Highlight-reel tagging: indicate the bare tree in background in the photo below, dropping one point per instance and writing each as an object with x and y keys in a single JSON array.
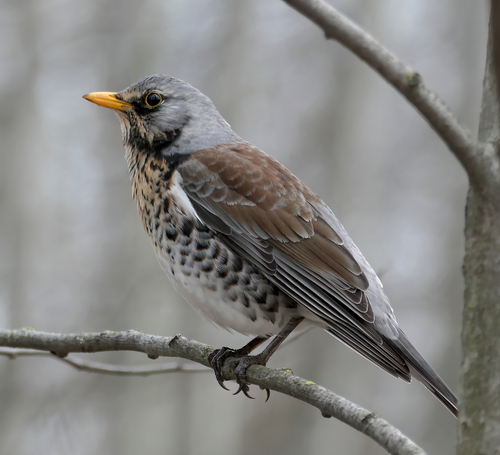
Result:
[{"x": 480, "y": 411}]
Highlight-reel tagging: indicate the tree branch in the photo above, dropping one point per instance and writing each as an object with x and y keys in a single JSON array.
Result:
[
  {"x": 330, "y": 404},
  {"x": 480, "y": 163},
  {"x": 98, "y": 367}
]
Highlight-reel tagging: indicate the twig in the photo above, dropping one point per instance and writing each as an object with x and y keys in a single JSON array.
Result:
[
  {"x": 330, "y": 404},
  {"x": 98, "y": 367}
]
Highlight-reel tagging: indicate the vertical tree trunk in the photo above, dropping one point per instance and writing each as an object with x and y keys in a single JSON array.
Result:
[{"x": 479, "y": 431}]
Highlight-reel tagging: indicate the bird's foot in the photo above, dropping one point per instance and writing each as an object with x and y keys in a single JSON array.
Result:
[
  {"x": 239, "y": 364},
  {"x": 216, "y": 360},
  {"x": 241, "y": 369}
]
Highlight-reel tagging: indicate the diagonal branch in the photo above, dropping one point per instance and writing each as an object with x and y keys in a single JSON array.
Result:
[
  {"x": 479, "y": 161},
  {"x": 330, "y": 404}
]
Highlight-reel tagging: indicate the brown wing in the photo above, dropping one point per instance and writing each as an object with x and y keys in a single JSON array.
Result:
[
  {"x": 270, "y": 217},
  {"x": 248, "y": 192}
]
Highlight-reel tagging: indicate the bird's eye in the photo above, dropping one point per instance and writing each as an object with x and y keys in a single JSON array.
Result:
[{"x": 153, "y": 99}]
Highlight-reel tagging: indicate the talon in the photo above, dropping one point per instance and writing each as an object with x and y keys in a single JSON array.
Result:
[
  {"x": 243, "y": 387},
  {"x": 220, "y": 380},
  {"x": 248, "y": 395},
  {"x": 268, "y": 393},
  {"x": 216, "y": 361},
  {"x": 240, "y": 363}
]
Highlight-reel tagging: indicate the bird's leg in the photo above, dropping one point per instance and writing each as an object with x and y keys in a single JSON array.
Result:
[
  {"x": 243, "y": 360},
  {"x": 219, "y": 356},
  {"x": 263, "y": 357}
]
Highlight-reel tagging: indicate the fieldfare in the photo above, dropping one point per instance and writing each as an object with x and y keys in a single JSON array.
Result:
[{"x": 247, "y": 243}]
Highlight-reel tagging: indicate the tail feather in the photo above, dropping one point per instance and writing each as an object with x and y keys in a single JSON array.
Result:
[{"x": 424, "y": 373}]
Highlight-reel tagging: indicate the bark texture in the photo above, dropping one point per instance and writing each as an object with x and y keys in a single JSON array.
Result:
[{"x": 479, "y": 431}]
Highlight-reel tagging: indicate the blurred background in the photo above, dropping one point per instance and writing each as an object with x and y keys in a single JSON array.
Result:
[{"x": 74, "y": 257}]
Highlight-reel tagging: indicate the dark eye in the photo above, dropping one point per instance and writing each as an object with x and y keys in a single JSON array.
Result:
[{"x": 153, "y": 99}]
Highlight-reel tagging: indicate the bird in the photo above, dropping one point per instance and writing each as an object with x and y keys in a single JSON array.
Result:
[{"x": 245, "y": 242}]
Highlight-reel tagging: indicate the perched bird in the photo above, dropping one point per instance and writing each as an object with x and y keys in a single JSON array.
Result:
[{"x": 245, "y": 241}]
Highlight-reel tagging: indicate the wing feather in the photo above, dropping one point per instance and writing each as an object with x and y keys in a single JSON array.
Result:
[{"x": 262, "y": 211}]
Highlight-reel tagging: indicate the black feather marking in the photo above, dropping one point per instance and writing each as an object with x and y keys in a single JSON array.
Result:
[
  {"x": 187, "y": 227},
  {"x": 207, "y": 266}
]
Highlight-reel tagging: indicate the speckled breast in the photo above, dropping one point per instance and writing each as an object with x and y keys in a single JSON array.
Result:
[{"x": 224, "y": 287}]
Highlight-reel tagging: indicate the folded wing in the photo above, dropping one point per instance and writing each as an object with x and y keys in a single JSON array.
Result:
[{"x": 260, "y": 209}]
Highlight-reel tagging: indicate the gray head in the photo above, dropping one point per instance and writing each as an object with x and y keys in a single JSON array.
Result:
[{"x": 163, "y": 115}]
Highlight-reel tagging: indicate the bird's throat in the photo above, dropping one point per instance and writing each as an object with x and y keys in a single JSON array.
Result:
[{"x": 157, "y": 145}]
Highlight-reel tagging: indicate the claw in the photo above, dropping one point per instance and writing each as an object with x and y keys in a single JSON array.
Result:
[
  {"x": 240, "y": 373},
  {"x": 242, "y": 360},
  {"x": 238, "y": 366},
  {"x": 268, "y": 393},
  {"x": 248, "y": 395},
  {"x": 243, "y": 387},
  {"x": 216, "y": 361},
  {"x": 220, "y": 380}
]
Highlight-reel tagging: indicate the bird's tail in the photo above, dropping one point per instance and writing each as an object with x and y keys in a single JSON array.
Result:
[{"x": 425, "y": 374}]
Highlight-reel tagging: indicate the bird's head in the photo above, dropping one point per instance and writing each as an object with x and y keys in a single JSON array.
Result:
[{"x": 166, "y": 116}]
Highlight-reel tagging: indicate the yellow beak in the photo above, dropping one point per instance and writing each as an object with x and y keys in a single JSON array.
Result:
[{"x": 109, "y": 100}]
